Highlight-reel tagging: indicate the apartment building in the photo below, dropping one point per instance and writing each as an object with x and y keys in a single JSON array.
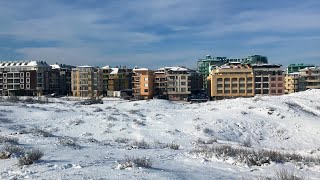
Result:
[
  {"x": 142, "y": 83},
  {"x": 116, "y": 79},
  {"x": 27, "y": 78},
  {"x": 309, "y": 78},
  {"x": 292, "y": 68},
  {"x": 231, "y": 80},
  {"x": 269, "y": 79},
  {"x": 176, "y": 83},
  {"x": 63, "y": 71},
  {"x": 291, "y": 83},
  {"x": 205, "y": 64},
  {"x": 87, "y": 81}
]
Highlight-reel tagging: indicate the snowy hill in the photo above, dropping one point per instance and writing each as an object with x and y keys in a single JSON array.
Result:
[{"x": 93, "y": 141}]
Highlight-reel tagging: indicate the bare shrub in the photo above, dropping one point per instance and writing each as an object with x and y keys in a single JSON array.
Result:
[
  {"x": 133, "y": 111},
  {"x": 13, "y": 99},
  {"x": 40, "y": 133},
  {"x": 69, "y": 142},
  {"x": 7, "y": 139},
  {"x": 206, "y": 141},
  {"x": 207, "y": 131},
  {"x": 98, "y": 110},
  {"x": 284, "y": 174},
  {"x": 172, "y": 145},
  {"x": 76, "y": 122},
  {"x": 132, "y": 162},
  {"x": 112, "y": 118},
  {"x": 90, "y": 101},
  {"x": 30, "y": 157},
  {"x": 139, "y": 144},
  {"x": 13, "y": 149},
  {"x": 251, "y": 157},
  {"x": 4, "y": 155},
  {"x": 139, "y": 123},
  {"x": 122, "y": 140},
  {"x": 247, "y": 142}
]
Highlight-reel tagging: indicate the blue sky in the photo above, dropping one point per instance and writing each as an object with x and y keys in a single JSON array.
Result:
[{"x": 155, "y": 33}]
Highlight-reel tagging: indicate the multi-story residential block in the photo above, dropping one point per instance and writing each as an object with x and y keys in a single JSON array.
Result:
[
  {"x": 176, "y": 83},
  {"x": 27, "y": 78},
  {"x": 87, "y": 81},
  {"x": 255, "y": 59},
  {"x": 291, "y": 83},
  {"x": 292, "y": 68},
  {"x": 231, "y": 80},
  {"x": 64, "y": 74},
  {"x": 142, "y": 83},
  {"x": 309, "y": 78},
  {"x": 116, "y": 79},
  {"x": 204, "y": 65},
  {"x": 269, "y": 79}
]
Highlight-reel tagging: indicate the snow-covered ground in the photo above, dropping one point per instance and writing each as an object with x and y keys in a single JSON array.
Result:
[{"x": 90, "y": 141}]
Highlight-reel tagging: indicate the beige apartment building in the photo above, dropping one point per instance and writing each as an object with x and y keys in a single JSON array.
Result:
[
  {"x": 291, "y": 83},
  {"x": 142, "y": 83},
  {"x": 176, "y": 83},
  {"x": 231, "y": 80},
  {"x": 269, "y": 79},
  {"x": 307, "y": 78},
  {"x": 87, "y": 81}
]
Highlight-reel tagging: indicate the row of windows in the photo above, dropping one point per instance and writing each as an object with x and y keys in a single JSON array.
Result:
[
  {"x": 16, "y": 75},
  {"x": 249, "y": 91},
  {"x": 14, "y": 80},
  {"x": 21, "y": 86}
]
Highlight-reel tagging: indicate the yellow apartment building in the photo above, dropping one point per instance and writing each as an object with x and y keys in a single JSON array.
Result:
[
  {"x": 231, "y": 80},
  {"x": 86, "y": 81},
  {"x": 142, "y": 83}
]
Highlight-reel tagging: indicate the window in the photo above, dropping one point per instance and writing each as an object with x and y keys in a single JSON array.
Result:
[
  {"x": 265, "y": 91},
  {"x": 280, "y": 85},
  {"x": 28, "y": 86},
  {"x": 265, "y": 85},
  {"x": 4, "y": 86},
  {"x": 183, "y": 89},
  {"x": 4, "y": 75},
  {"x": 265, "y": 79},
  {"x": 273, "y": 79},
  {"x": 219, "y": 91},
  {"x": 280, "y": 91},
  {"x": 273, "y": 85},
  {"x": 249, "y": 91},
  {"x": 234, "y": 91},
  {"x": 257, "y": 79},
  {"x": 21, "y": 86},
  {"x": 27, "y": 74},
  {"x": 145, "y": 85},
  {"x": 21, "y": 74},
  {"x": 145, "y": 79},
  {"x": 279, "y": 78},
  {"x": 183, "y": 83},
  {"x": 183, "y": 77},
  {"x": 242, "y": 91},
  {"x": 22, "y": 80},
  {"x": 273, "y": 91},
  {"x": 146, "y": 90}
]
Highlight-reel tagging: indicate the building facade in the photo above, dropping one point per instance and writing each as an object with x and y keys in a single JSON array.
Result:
[
  {"x": 292, "y": 68},
  {"x": 176, "y": 83},
  {"x": 87, "y": 81},
  {"x": 231, "y": 80},
  {"x": 269, "y": 79},
  {"x": 64, "y": 73},
  {"x": 27, "y": 78},
  {"x": 142, "y": 83},
  {"x": 116, "y": 79}
]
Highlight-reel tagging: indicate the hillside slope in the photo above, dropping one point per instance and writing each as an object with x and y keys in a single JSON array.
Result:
[{"x": 90, "y": 141}]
